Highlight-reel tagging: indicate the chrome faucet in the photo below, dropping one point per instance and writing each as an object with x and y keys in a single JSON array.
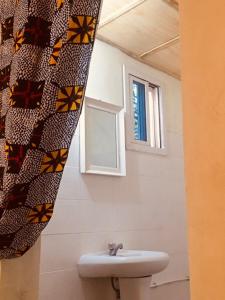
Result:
[{"x": 113, "y": 248}]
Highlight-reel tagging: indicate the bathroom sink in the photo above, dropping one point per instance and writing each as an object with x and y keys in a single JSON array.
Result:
[{"x": 127, "y": 263}]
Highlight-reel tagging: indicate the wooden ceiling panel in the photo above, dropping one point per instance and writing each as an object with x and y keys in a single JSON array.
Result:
[
  {"x": 147, "y": 30},
  {"x": 109, "y": 7},
  {"x": 143, "y": 28},
  {"x": 167, "y": 59}
]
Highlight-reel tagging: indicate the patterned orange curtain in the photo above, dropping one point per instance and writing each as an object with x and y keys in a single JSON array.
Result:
[{"x": 44, "y": 60}]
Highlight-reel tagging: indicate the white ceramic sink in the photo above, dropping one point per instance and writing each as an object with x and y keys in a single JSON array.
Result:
[{"x": 127, "y": 263}]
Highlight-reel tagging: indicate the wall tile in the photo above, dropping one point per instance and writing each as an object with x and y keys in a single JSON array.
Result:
[
  {"x": 74, "y": 153},
  {"x": 60, "y": 285},
  {"x": 173, "y": 291},
  {"x": 72, "y": 186},
  {"x": 81, "y": 216},
  {"x": 175, "y": 145},
  {"x": 70, "y": 247},
  {"x": 77, "y": 186}
]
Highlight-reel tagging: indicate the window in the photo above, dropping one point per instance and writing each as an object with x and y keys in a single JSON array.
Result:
[{"x": 145, "y": 128}]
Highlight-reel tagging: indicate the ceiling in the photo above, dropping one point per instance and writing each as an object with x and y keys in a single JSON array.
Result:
[{"x": 147, "y": 30}]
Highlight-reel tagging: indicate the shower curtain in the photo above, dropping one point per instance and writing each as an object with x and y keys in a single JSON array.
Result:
[{"x": 45, "y": 53}]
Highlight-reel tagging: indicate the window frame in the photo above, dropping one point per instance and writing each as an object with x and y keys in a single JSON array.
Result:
[{"x": 130, "y": 75}]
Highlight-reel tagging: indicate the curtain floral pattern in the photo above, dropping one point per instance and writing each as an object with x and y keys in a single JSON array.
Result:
[{"x": 44, "y": 60}]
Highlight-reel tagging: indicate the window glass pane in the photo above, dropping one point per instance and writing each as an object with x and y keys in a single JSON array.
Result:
[{"x": 139, "y": 109}]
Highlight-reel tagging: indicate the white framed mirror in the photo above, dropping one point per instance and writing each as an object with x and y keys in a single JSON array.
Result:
[{"x": 102, "y": 139}]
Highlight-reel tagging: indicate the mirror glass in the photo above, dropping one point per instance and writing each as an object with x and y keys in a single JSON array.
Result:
[{"x": 101, "y": 137}]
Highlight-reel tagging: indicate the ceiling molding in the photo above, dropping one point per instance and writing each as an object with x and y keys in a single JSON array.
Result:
[
  {"x": 120, "y": 12},
  {"x": 160, "y": 47},
  {"x": 137, "y": 57}
]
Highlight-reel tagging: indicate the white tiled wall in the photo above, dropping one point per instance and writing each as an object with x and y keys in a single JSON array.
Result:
[
  {"x": 145, "y": 210},
  {"x": 172, "y": 291}
]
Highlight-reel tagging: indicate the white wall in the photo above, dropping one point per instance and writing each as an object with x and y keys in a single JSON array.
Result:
[{"x": 144, "y": 210}]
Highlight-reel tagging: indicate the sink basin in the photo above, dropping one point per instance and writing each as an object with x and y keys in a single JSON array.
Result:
[{"x": 127, "y": 263}]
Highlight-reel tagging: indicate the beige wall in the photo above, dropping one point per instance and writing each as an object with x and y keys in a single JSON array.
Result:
[
  {"x": 203, "y": 58},
  {"x": 19, "y": 279}
]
